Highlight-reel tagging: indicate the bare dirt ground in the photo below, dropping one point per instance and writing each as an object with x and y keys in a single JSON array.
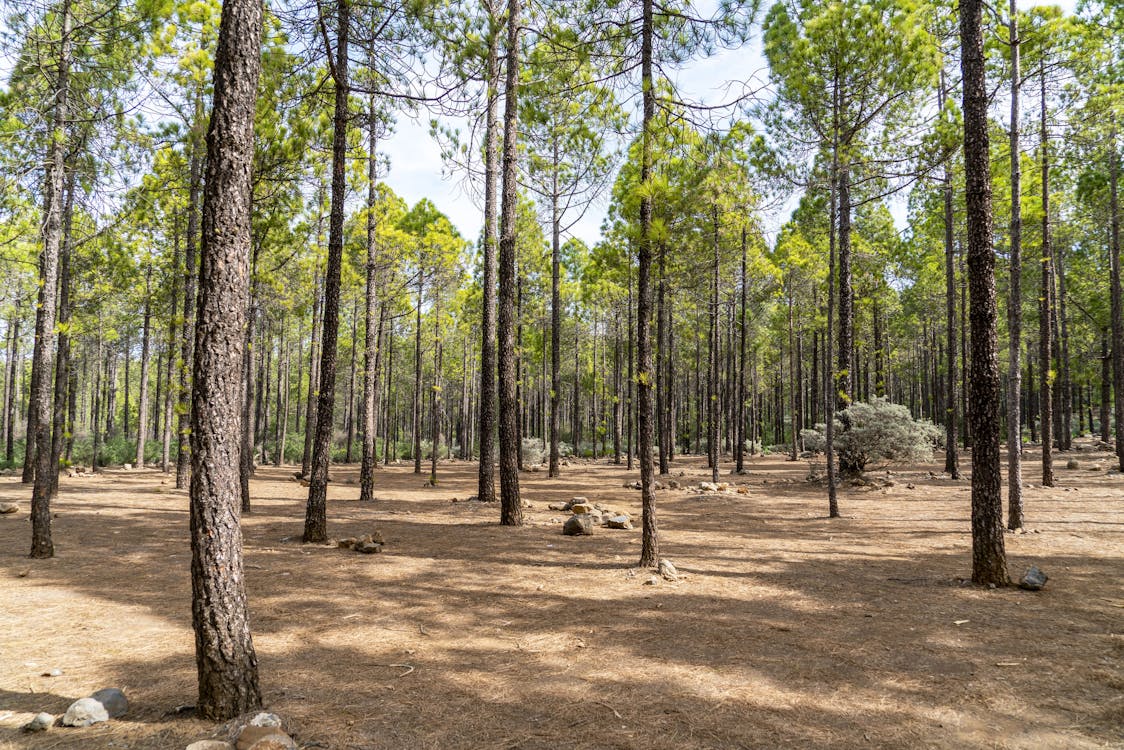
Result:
[{"x": 788, "y": 629}]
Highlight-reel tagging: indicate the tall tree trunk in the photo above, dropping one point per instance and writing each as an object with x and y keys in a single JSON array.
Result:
[
  {"x": 555, "y": 324},
  {"x": 951, "y": 456},
  {"x": 629, "y": 381},
  {"x": 1115, "y": 294},
  {"x": 372, "y": 314},
  {"x": 313, "y": 397},
  {"x": 830, "y": 389},
  {"x": 142, "y": 399},
  {"x": 1065, "y": 389},
  {"x": 63, "y": 364},
  {"x": 10, "y": 387},
  {"x": 246, "y": 455},
  {"x": 1015, "y": 297},
  {"x": 44, "y": 474},
  {"x": 1045, "y": 308},
  {"x": 437, "y": 402},
  {"x": 650, "y": 544},
  {"x": 415, "y": 427},
  {"x": 316, "y": 514},
  {"x": 187, "y": 335},
  {"x": 225, "y": 656},
  {"x": 1106, "y": 389},
  {"x": 661, "y": 360},
  {"x": 486, "y": 484},
  {"x": 712, "y": 355},
  {"x": 511, "y": 509},
  {"x": 739, "y": 448},
  {"x": 845, "y": 376},
  {"x": 351, "y": 380},
  {"x": 989, "y": 558}
]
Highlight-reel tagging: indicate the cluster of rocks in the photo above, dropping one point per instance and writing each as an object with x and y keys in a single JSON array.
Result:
[
  {"x": 105, "y": 704},
  {"x": 585, "y": 516},
  {"x": 262, "y": 732},
  {"x": 668, "y": 484},
  {"x": 368, "y": 544}
]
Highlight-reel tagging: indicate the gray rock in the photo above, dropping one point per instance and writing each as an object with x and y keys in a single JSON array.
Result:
[
  {"x": 368, "y": 548},
  {"x": 673, "y": 485},
  {"x": 668, "y": 571},
  {"x": 558, "y": 506},
  {"x": 210, "y": 745},
  {"x": 651, "y": 580},
  {"x": 84, "y": 712},
  {"x": 41, "y": 723},
  {"x": 619, "y": 522},
  {"x": 578, "y": 525},
  {"x": 1033, "y": 579},
  {"x": 115, "y": 702},
  {"x": 265, "y": 719},
  {"x": 6, "y": 508},
  {"x": 708, "y": 486},
  {"x": 1073, "y": 463},
  {"x": 264, "y": 738}
]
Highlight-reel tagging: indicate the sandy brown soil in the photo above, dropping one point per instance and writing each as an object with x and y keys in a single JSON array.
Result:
[{"x": 788, "y": 630}]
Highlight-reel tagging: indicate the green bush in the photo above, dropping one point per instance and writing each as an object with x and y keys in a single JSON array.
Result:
[{"x": 876, "y": 432}]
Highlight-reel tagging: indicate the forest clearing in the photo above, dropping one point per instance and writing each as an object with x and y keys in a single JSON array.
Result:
[{"x": 787, "y": 629}]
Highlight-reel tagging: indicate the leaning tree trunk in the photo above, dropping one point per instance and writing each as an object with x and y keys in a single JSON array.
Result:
[
  {"x": 511, "y": 510},
  {"x": 44, "y": 473},
  {"x": 1015, "y": 300},
  {"x": 224, "y": 651},
  {"x": 486, "y": 484},
  {"x": 989, "y": 558},
  {"x": 316, "y": 513},
  {"x": 650, "y": 542}
]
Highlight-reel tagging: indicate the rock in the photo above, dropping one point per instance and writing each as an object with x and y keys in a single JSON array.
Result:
[
  {"x": 651, "y": 581},
  {"x": 708, "y": 487},
  {"x": 84, "y": 712},
  {"x": 41, "y": 723},
  {"x": 578, "y": 525},
  {"x": 115, "y": 702},
  {"x": 1073, "y": 463},
  {"x": 578, "y": 508},
  {"x": 210, "y": 745},
  {"x": 264, "y": 738},
  {"x": 1033, "y": 579},
  {"x": 56, "y": 672},
  {"x": 128, "y": 467},
  {"x": 6, "y": 508},
  {"x": 668, "y": 571},
  {"x": 621, "y": 521},
  {"x": 348, "y": 543},
  {"x": 375, "y": 536},
  {"x": 558, "y": 506},
  {"x": 673, "y": 485},
  {"x": 265, "y": 719},
  {"x": 368, "y": 548}
]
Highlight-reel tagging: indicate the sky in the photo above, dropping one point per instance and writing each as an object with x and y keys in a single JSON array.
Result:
[{"x": 416, "y": 169}]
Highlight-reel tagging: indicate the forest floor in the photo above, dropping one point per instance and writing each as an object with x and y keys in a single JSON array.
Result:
[{"x": 787, "y": 628}]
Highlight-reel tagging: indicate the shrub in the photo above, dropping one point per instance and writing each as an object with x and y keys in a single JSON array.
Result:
[{"x": 876, "y": 432}]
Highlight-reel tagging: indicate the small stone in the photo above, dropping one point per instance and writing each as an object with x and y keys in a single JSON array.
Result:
[
  {"x": 210, "y": 745},
  {"x": 1034, "y": 579},
  {"x": 558, "y": 506},
  {"x": 1072, "y": 464},
  {"x": 56, "y": 672},
  {"x": 128, "y": 467},
  {"x": 115, "y": 702},
  {"x": 668, "y": 571},
  {"x": 578, "y": 508},
  {"x": 708, "y": 487},
  {"x": 578, "y": 525},
  {"x": 673, "y": 485},
  {"x": 84, "y": 712},
  {"x": 265, "y": 719},
  {"x": 264, "y": 738},
  {"x": 368, "y": 548},
  {"x": 651, "y": 581},
  {"x": 621, "y": 521},
  {"x": 6, "y": 508},
  {"x": 41, "y": 723}
]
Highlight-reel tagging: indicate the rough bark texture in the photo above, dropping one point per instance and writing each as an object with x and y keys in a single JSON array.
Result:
[
  {"x": 225, "y": 657},
  {"x": 650, "y": 540},
  {"x": 486, "y": 485},
  {"x": 44, "y": 474},
  {"x": 1117, "y": 304},
  {"x": 63, "y": 365},
  {"x": 1015, "y": 298},
  {"x": 511, "y": 510},
  {"x": 316, "y": 514},
  {"x": 989, "y": 559}
]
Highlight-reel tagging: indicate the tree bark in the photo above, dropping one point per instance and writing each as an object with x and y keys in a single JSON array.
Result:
[
  {"x": 44, "y": 474},
  {"x": 1015, "y": 297},
  {"x": 372, "y": 350},
  {"x": 951, "y": 456},
  {"x": 989, "y": 559},
  {"x": 225, "y": 657},
  {"x": 1045, "y": 310},
  {"x": 142, "y": 399},
  {"x": 486, "y": 484},
  {"x": 1115, "y": 294},
  {"x": 650, "y": 543},
  {"x": 187, "y": 335},
  {"x": 316, "y": 514},
  {"x": 511, "y": 510}
]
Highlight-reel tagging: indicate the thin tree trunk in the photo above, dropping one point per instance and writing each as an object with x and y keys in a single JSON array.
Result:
[
  {"x": 415, "y": 428},
  {"x": 10, "y": 386},
  {"x": 1015, "y": 297},
  {"x": 316, "y": 514},
  {"x": 187, "y": 331},
  {"x": 739, "y": 448},
  {"x": 1045, "y": 308},
  {"x": 511, "y": 510},
  {"x": 373, "y": 316},
  {"x": 313, "y": 397},
  {"x": 951, "y": 456},
  {"x": 142, "y": 402},
  {"x": 63, "y": 364}
]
